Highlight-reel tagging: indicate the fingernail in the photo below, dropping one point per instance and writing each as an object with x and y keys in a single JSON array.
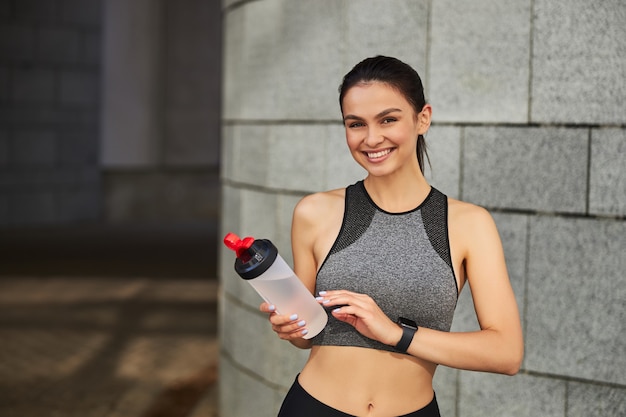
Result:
[
  {"x": 337, "y": 310},
  {"x": 272, "y": 308},
  {"x": 319, "y": 298},
  {"x": 301, "y": 323},
  {"x": 322, "y": 293},
  {"x": 293, "y": 317},
  {"x": 305, "y": 331},
  {"x": 326, "y": 302}
]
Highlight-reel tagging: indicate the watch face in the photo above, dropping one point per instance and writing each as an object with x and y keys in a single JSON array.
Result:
[{"x": 407, "y": 323}]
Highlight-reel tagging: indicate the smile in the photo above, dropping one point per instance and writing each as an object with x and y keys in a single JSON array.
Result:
[{"x": 379, "y": 154}]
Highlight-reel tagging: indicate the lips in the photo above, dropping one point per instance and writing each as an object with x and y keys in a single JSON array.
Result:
[{"x": 379, "y": 154}]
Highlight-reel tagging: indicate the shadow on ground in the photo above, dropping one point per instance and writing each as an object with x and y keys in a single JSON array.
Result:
[{"x": 109, "y": 324}]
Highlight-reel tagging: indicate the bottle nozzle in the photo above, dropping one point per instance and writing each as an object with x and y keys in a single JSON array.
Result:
[{"x": 240, "y": 246}]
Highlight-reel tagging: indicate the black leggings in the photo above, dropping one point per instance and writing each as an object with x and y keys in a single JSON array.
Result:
[{"x": 299, "y": 403}]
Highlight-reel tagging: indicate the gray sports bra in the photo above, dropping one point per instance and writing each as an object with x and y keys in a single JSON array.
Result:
[{"x": 401, "y": 260}]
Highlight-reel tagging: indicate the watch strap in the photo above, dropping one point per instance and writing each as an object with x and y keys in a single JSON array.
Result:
[{"x": 406, "y": 339}]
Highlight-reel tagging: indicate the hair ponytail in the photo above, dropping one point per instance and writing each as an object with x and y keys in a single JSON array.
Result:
[{"x": 422, "y": 152}]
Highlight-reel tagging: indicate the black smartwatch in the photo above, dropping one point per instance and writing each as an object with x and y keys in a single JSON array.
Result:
[{"x": 409, "y": 327}]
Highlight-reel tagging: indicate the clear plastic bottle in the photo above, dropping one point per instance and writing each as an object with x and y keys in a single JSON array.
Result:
[{"x": 259, "y": 263}]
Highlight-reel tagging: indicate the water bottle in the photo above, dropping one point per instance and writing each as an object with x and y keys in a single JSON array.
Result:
[{"x": 259, "y": 263}]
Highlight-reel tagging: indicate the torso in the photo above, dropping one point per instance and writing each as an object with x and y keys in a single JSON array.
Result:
[
  {"x": 364, "y": 381},
  {"x": 367, "y": 382}
]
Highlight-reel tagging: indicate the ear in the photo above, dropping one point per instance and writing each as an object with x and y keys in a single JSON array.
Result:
[{"x": 424, "y": 118}]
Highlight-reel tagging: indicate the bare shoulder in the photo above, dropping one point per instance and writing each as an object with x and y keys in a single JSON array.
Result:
[
  {"x": 465, "y": 214},
  {"x": 315, "y": 207},
  {"x": 470, "y": 227},
  {"x": 316, "y": 221}
]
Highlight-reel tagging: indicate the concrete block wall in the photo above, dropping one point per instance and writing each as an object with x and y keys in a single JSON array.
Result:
[
  {"x": 529, "y": 121},
  {"x": 49, "y": 97}
]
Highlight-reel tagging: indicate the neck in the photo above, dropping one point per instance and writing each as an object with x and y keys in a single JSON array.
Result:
[{"x": 397, "y": 193}]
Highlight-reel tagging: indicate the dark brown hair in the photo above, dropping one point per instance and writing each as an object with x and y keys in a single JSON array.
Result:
[{"x": 398, "y": 75}]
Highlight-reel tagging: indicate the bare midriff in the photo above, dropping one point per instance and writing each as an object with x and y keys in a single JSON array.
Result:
[{"x": 368, "y": 382}]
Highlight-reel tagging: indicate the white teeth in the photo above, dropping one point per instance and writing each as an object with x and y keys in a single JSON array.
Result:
[{"x": 374, "y": 155}]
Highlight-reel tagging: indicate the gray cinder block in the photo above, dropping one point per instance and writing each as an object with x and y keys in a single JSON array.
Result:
[
  {"x": 59, "y": 45},
  {"x": 241, "y": 394},
  {"x": 607, "y": 179},
  {"x": 479, "y": 65},
  {"x": 4, "y": 149},
  {"x": 484, "y": 394},
  {"x": 4, "y": 84},
  {"x": 278, "y": 35},
  {"x": 592, "y": 400},
  {"x": 575, "y": 306},
  {"x": 17, "y": 42},
  {"x": 541, "y": 169},
  {"x": 444, "y": 150},
  {"x": 578, "y": 62},
  {"x": 78, "y": 88},
  {"x": 34, "y": 148},
  {"x": 366, "y": 36},
  {"x": 82, "y": 12},
  {"x": 33, "y": 85}
]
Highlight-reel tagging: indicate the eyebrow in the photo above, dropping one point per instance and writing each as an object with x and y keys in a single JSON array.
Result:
[{"x": 378, "y": 116}]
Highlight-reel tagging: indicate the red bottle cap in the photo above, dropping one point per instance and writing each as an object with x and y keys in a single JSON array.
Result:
[{"x": 240, "y": 246}]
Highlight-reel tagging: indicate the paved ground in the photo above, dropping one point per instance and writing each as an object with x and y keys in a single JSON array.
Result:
[{"x": 92, "y": 343}]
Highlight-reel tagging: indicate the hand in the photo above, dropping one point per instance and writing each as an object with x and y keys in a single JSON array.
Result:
[
  {"x": 362, "y": 312},
  {"x": 286, "y": 327}
]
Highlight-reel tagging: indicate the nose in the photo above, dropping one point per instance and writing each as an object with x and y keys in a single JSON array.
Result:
[{"x": 373, "y": 138}]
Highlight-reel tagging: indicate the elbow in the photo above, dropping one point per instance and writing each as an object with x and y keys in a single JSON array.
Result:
[
  {"x": 513, "y": 362},
  {"x": 511, "y": 369},
  {"x": 511, "y": 355}
]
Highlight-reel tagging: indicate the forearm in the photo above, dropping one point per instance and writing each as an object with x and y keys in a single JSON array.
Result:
[{"x": 485, "y": 350}]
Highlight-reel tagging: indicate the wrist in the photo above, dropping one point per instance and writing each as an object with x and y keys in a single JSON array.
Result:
[{"x": 409, "y": 328}]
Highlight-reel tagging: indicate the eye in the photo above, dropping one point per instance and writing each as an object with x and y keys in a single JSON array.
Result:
[
  {"x": 354, "y": 125},
  {"x": 388, "y": 120}
]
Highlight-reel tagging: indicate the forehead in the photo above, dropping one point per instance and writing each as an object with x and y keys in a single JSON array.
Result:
[{"x": 372, "y": 95}]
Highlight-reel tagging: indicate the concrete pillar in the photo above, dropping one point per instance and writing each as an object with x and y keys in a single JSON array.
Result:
[
  {"x": 160, "y": 110},
  {"x": 131, "y": 102}
]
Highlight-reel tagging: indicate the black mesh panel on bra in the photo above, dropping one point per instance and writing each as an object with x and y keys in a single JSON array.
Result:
[
  {"x": 360, "y": 212},
  {"x": 435, "y": 215}
]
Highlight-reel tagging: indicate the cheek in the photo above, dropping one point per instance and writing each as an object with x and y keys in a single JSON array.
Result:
[
  {"x": 352, "y": 140},
  {"x": 407, "y": 135}
]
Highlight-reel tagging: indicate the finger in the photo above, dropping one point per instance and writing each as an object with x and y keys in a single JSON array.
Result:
[
  {"x": 293, "y": 329},
  {"x": 355, "y": 311},
  {"x": 281, "y": 320},
  {"x": 342, "y": 315},
  {"x": 345, "y": 310},
  {"x": 336, "y": 293},
  {"x": 299, "y": 334},
  {"x": 267, "y": 307},
  {"x": 343, "y": 299}
]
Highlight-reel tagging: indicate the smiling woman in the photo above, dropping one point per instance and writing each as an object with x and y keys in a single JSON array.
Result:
[{"x": 388, "y": 257}]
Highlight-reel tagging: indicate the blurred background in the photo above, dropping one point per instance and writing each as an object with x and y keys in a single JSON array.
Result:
[{"x": 109, "y": 206}]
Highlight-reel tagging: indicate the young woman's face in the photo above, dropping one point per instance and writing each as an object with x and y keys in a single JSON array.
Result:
[{"x": 382, "y": 128}]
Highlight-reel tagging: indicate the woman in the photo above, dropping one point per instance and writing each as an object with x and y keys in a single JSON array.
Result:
[{"x": 387, "y": 258}]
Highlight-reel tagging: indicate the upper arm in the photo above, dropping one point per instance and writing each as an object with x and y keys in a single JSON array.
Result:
[
  {"x": 303, "y": 241},
  {"x": 316, "y": 222},
  {"x": 487, "y": 275}
]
